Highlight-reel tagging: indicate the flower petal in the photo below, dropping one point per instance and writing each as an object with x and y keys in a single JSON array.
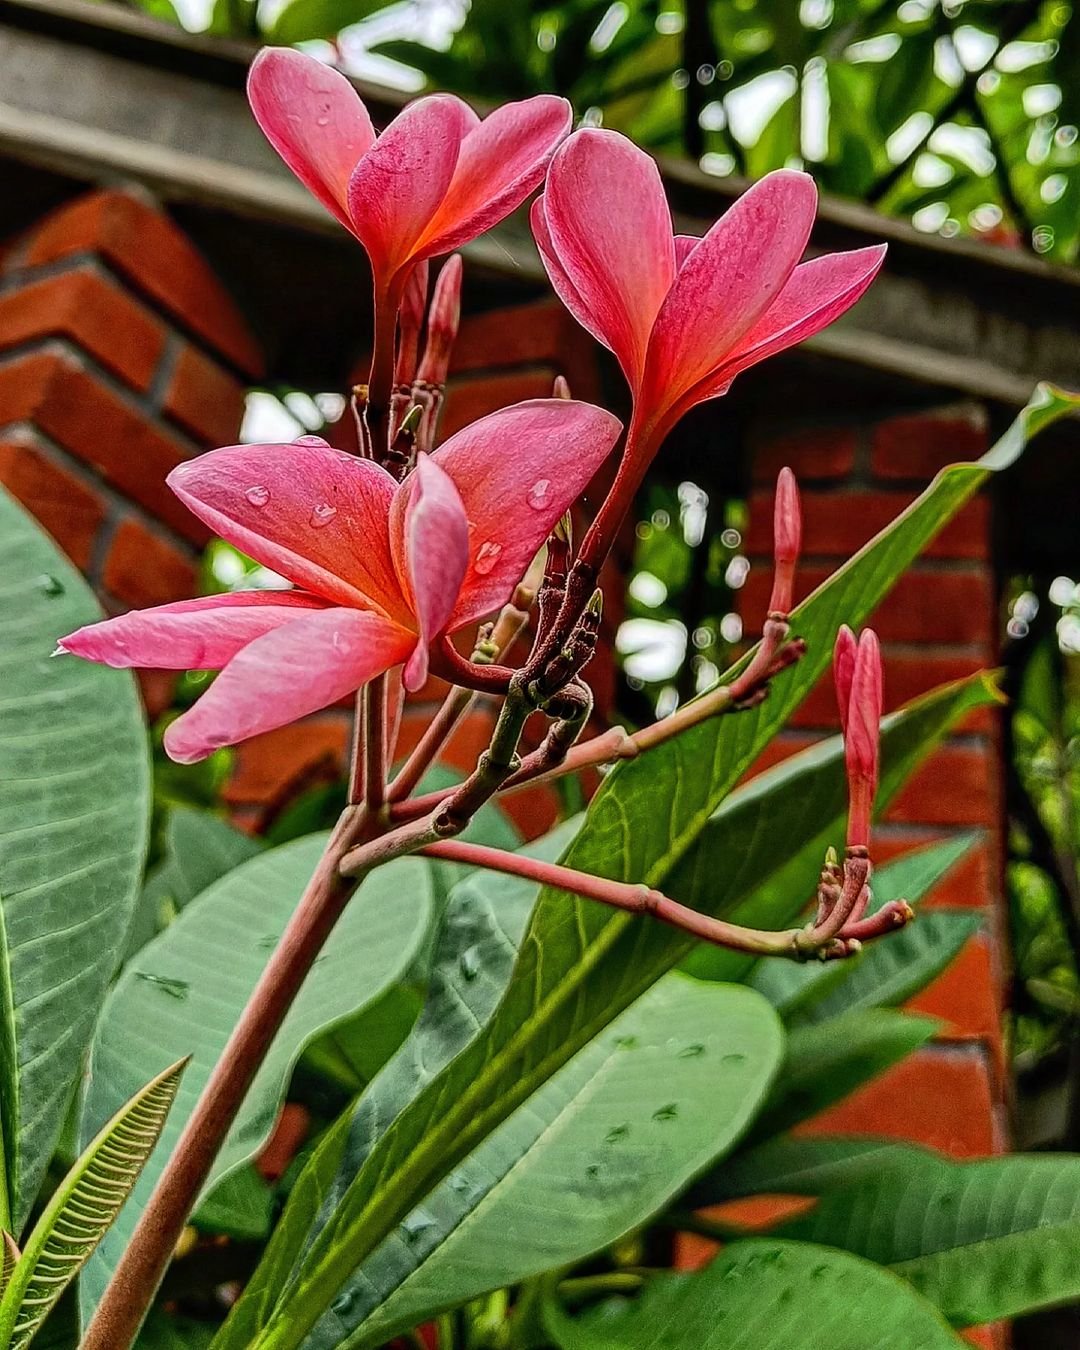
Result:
[
  {"x": 684, "y": 246},
  {"x": 500, "y": 163},
  {"x": 727, "y": 282},
  {"x": 202, "y": 634},
  {"x": 517, "y": 472},
  {"x": 429, "y": 536},
  {"x": 562, "y": 285},
  {"x": 314, "y": 119},
  {"x": 316, "y": 515},
  {"x": 297, "y": 669},
  {"x": 397, "y": 187},
  {"x": 610, "y": 229}
]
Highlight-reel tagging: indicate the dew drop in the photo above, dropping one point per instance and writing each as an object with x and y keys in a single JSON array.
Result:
[
  {"x": 174, "y": 988},
  {"x": 592, "y": 1171},
  {"x": 417, "y": 1223},
  {"x": 339, "y": 644},
  {"x": 537, "y": 495},
  {"x": 733, "y": 1059},
  {"x": 691, "y": 1051},
  {"x": 322, "y": 515},
  {"x": 616, "y": 1133},
  {"x": 315, "y": 440},
  {"x": 668, "y": 1112},
  {"x": 257, "y": 495},
  {"x": 343, "y": 1304},
  {"x": 458, "y": 1183},
  {"x": 626, "y": 1042},
  {"x": 50, "y": 585},
  {"x": 469, "y": 964},
  {"x": 487, "y": 555}
]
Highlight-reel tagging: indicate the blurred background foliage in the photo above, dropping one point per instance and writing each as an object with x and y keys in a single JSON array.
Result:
[{"x": 958, "y": 115}]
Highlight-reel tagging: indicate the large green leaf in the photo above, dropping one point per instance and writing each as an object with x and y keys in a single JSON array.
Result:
[
  {"x": 579, "y": 965},
  {"x": 83, "y": 1206},
  {"x": 764, "y": 1295},
  {"x": 604, "y": 1144},
  {"x": 74, "y": 802},
  {"x": 886, "y": 973},
  {"x": 183, "y": 993},
  {"x": 981, "y": 1240}
]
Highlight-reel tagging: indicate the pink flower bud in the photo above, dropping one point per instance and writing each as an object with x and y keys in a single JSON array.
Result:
[
  {"x": 787, "y": 542},
  {"x": 443, "y": 320},
  {"x": 410, "y": 321},
  {"x": 862, "y": 736},
  {"x": 844, "y": 670}
]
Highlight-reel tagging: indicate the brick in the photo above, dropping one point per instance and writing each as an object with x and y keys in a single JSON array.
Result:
[
  {"x": 205, "y": 400},
  {"x": 144, "y": 569},
  {"x": 470, "y": 738},
  {"x": 272, "y": 766},
  {"x": 157, "y": 688},
  {"x": 467, "y": 400},
  {"x": 53, "y": 390},
  {"x": 812, "y": 452},
  {"x": 906, "y": 677},
  {"x": 538, "y": 334},
  {"x": 957, "y": 785},
  {"x": 917, "y": 446},
  {"x": 533, "y": 810},
  {"x": 941, "y": 1097},
  {"x": 147, "y": 248},
  {"x": 837, "y": 524},
  {"x": 953, "y": 605},
  {"x": 92, "y": 312},
  {"x": 290, "y": 1131},
  {"x": 70, "y": 511},
  {"x": 967, "y": 998}
]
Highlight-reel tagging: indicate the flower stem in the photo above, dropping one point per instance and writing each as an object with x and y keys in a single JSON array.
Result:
[
  {"x": 137, "y": 1276},
  {"x": 371, "y": 764}
]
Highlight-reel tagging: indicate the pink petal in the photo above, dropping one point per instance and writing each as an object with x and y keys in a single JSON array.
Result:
[
  {"x": 816, "y": 294},
  {"x": 316, "y": 515},
  {"x": 200, "y": 634},
  {"x": 430, "y": 540},
  {"x": 727, "y": 282},
  {"x": 284, "y": 675},
  {"x": 501, "y": 161},
  {"x": 564, "y": 288},
  {"x": 684, "y": 246},
  {"x": 518, "y": 471},
  {"x": 397, "y": 187},
  {"x": 610, "y": 229},
  {"x": 314, "y": 119}
]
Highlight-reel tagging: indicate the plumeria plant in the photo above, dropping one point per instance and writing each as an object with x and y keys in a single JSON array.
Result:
[{"x": 564, "y": 1084}]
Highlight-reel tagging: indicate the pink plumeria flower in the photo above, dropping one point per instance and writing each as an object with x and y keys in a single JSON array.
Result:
[
  {"x": 437, "y": 177},
  {"x": 684, "y": 315},
  {"x": 383, "y": 568}
]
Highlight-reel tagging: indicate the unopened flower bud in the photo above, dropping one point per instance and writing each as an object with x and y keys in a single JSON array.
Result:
[
  {"x": 862, "y": 738},
  {"x": 410, "y": 321},
  {"x": 787, "y": 542},
  {"x": 844, "y": 670},
  {"x": 443, "y": 320}
]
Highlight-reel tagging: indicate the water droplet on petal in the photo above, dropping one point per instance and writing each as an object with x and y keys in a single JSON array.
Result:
[
  {"x": 50, "y": 585},
  {"x": 315, "y": 440},
  {"x": 257, "y": 495},
  {"x": 175, "y": 988},
  {"x": 668, "y": 1112},
  {"x": 322, "y": 515},
  {"x": 487, "y": 555},
  {"x": 323, "y": 120},
  {"x": 537, "y": 495},
  {"x": 339, "y": 644}
]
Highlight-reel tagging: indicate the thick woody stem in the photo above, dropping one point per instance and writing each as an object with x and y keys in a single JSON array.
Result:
[
  {"x": 370, "y": 767},
  {"x": 630, "y": 898},
  {"x": 132, "y": 1288}
]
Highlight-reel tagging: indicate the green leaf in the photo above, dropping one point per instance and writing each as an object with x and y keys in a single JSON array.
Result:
[
  {"x": 183, "y": 993},
  {"x": 581, "y": 965},
  {"x": 981, "y": 1240},
  {"x": 74, "y": 806},
  {"x": 240, "y": 1207},
  {"x": 888, "y": 972},
  {"x": 162, "y": 1332},
  {"x": 825, "y": 1062},
  {"x": 764, "y": 1295},
  {"x": 303, "y": 20},
  {"x": 84, "y": 1205},
  {"x": 803, "y": 1165},
  {"x": 603, "y": 1145}
]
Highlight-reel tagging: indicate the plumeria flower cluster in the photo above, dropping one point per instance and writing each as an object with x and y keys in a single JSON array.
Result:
[{"x": 392, "y": 552}]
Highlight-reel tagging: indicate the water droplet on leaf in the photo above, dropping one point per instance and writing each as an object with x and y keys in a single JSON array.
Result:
[
  {"x": 733, "y": 1059},
  {"x": 415, "y": 1224},
  {"x": 50, "y": 585},
  {"x": 616, "y": 1133},
  {"x": 469, "y": 964},
  {"x": 691, "y": 1051},
  {"x": 668, "y": 1112},
  {"x": 537, "y": 495},
  {"x": 257, "y": 495},
  {"x": 342, "y": 1305},
  {"x": 322, "y": 515},
  {"x": 626, "y": 1042},
  {"x": 487, "y": 555},
  {"x": 175, "y": 988}
]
